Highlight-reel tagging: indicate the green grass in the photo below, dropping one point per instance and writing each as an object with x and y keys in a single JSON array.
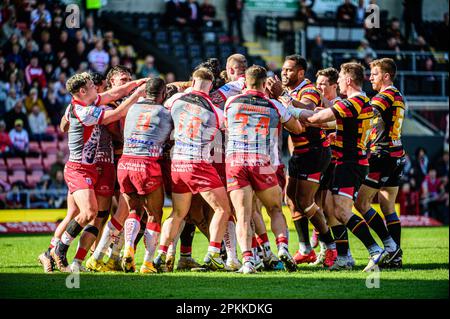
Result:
[{"x": 425, "y": 275}]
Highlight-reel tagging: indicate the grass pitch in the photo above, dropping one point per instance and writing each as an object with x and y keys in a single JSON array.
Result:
[{"x": 425, "y": 275}]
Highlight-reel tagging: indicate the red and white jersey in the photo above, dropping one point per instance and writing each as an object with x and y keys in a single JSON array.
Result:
[
  {"x": 84, "y": 131},
  {"x": 105, "y": 149},
  {"x": 228, "y": 90}
]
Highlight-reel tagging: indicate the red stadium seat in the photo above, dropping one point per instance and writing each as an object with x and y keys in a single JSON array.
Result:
[
  {"x": 50, "y": 130},
  {"x": 18, "y": 175},
  {"x": 34, "y": 178},
  {"x": 47, "y": 146},
  {"x": 34, "y": 147},
  {"x": 62, "y": 146},
  {"x": 51, "y": 150},
  {"x": 33, "y": 163},
  {"x": 15, "y": 164},
  {"x": 3, "y": 175},
  {"x": 48, "y": 161}
]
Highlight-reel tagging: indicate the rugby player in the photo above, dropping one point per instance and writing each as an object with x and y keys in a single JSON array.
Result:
[
  {"x": 353, "y": 117},
  {"x": 197, "y": 123},
  {"x": 387, "y": 159},
  {"x": 251, "y": 119},
  {"x": 311, "y": 157},
  {"x": 80, "y": 171},
  {"x": 148, "y": 125}
]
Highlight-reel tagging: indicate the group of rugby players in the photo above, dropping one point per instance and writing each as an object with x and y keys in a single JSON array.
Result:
[{"x": 213, "y": 145}]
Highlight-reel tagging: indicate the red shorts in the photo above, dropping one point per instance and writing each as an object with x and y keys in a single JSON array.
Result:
[
  {"x": 80, "y": 176},
  {"x": 259, "y": 177},
  {"x": 189, "y": 177},
  {"x": 165, "y": 170},
  {"x": 106, "y": 179},
  {"x": 221, "y": 170},
  {"x": 281, "y": 175},
  {"x": 138, "y": 174}
]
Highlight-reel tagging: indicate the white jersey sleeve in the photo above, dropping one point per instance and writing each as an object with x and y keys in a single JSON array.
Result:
[
  {"x": 89, "y": 115},
  {"x": 220, "y": 116},
  {"x": 282, "y": 110},
  {"x": 169, "y": 103}
]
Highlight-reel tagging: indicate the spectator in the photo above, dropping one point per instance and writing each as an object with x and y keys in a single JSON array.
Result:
[
  {"x": 40, "y": 16},
  {"x": 443, "y": 28},
  {"x": 360, "y": 13},
  {"x": 14, "y": 83},
  {"x": 3, "y": 75},
  {"x": 177, "y": 13},
  {"x": 53, "y": 107},
  {"x": 5, "y": 141},
  {"x": 317, "y": 52},
  {"x": 346, "y": 12},
  {"x": 28, "y": 37},
  {"x": 16, "y": 199},
  {"x": 58, "y": 165},
  {"x": 39, "y": 197},
  {"x": 195, "y": 15},
  {"x": 63, "y": 44},
  {"x": 305, "y": 12},
  {"x": 365, "y": 50},
  {"x": 9, "y": 28},
  {"x": 32, "y": 100},
  {"x": 13, "y": 40},
  {"x": 58, "y": 190},
  {"x": 442, "y": 166},
  {"x": 421, "y": 165},
  {"x": 64, "y": 67},
  {"x": 79, "y": 55},
  {"x": 129, "y": 58},
  {"x": 433, "y": 195},
  {"x": 170, "y": 77},
  {"x": 98, "y": 58},
  {"x": 47, "y": 55},
  {"x": 234, "y": 9},
  {"x": 16, "y": 113},
  {"x": 16, "y": 57},
  {"x": 412, "y": 14},
  {"x": 57, "y": 26},
  {"x": 409, "y": 200},
  {"x": 19, "y": 139},
  {"x": 393, "y": 31},
  {"x": 109, "y": 40},
  {"x": 38, "y": 125},
  {"x": 90, "y": 33},
  {"x": 208, "y": 11},
  {"x": 33, "y": 72},
  {"x": 11, "y": 100},
  {"x": 28, "y": 53},
  {"x": 148, "y": 69},
  {"x": 6, "y": 12}
]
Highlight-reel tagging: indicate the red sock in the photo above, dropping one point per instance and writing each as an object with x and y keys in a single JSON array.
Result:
[{"x": 81, "y": 254}]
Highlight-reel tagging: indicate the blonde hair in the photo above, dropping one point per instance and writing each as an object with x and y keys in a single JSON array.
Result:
[
  {"x": 386, "y": 65},
  {"x": 355, "y": 71},
  {"x": 77, "y": 81},
  {"x": 203, "y": 74}
]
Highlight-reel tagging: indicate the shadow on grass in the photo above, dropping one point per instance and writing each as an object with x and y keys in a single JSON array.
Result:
[{"x": 211, "y": 286}]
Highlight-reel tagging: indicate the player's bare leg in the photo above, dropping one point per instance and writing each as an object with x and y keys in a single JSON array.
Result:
[
  {"x": 218, "y": 200},
  {"x": 86, "y": 201},
  {"x": 271, "y": 199},
  {"x": 121, "y": 214},
  {"x": 45, "y": 258},
  {"x": 242, "y": 200},
  {"x": 153, "y": 204},
  {"x": 181, "y": 204}
]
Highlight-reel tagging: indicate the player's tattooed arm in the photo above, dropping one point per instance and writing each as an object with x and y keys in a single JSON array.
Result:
[
  {"x": 64, "y": 125},
  {"x": 121, "y": 111}
]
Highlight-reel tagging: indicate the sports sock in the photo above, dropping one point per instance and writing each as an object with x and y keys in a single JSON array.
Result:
[
  {"x": 282, "y": 242},
  {"x": 230, "y": 239},
  {"x": 328, "y": 240},
  {"x": 186, "y": 238},
  {"x": 72, "y": 231},
  {"x": 263, "y": 241},
  {"x": 301, "y": 226},
  {"x": 117, "y": 246},
  {"x": 111, "y": 231},
  {"x": 341, "y": 239},
  {"x": 375, "y": 222},
  {"x": 247, "y": 256},
  {"x": 131, "y": 227},
  {"x": 151, "y": 238},
  {"x": 394, "y": 226},
  {"x": 360, "y": 229},
  {"x": 53, "y": 242},
  {"x": 214, "y": 247},
  {"x": 139, "y": 236},
  {"x": 173, "y": 245}
]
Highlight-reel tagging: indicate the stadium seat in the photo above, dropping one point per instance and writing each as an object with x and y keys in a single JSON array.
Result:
[
  {"x": 190, "y": 37},
  {"x": 225, "y": 50},
  {"x": 179, "y": 50},
  {"x": 34, "y": 147},
  {"x": 45, "y": 145},
  {"x": 147, "y": 35},
  {"x": 142, "y": 23},
  {"x": 161, "y": 36},
  {"x": 3, "y": 175},
  {"x": 195, "y": 62},
  {"x": 164, "y": 48},
  {"x": 48, "y": 161},
  {"x": 50, "y": 130},
  {"x": 33, "y": 163},
  {"x": 175, "y": 36},
  {"x": 194, "y": 51},
  {"x": 34, "y": 178},
  {"x": 210, "y": 51},
  {"x": 18, "y": 175},
  {"x": 15, "y": 163},
  {"x": 63, "y": 146}
]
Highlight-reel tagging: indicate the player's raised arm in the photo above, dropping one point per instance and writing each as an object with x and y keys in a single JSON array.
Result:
[{"x": 118, "y": 92}]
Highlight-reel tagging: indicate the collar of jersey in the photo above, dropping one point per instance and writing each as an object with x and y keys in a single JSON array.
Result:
[
  {"x": 301, "y": 85},
  {"x": 254, "y": 92},
  {"x": 356, "y": 94},
  {"x": 78, "y": 102},
  {"x": 200, "y": 93}
]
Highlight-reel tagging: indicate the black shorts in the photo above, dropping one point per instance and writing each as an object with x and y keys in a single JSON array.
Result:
[
  {"x": 327, "y": 179},
  {"x": 384, "y": 171},
  {"x": 311, "y": 165},
  {"x": 348, "y": 178}
]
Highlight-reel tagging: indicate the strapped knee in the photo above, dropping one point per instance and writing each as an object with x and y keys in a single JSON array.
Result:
[
  {"x": 91, "y": 229},
  {"x": 311, "y": 210}
]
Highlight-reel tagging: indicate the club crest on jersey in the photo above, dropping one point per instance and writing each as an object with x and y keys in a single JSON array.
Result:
[
  {"x": 95, "y": 112},
  {"x": 89, "y": 181},
  {"x": 225, "y": 88}
]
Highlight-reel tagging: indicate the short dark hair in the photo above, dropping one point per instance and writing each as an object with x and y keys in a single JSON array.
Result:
[
  {"x": 97, "y": 78},
  {"x": 255, "y": 76},
  {"x": 154, "y": 86},
  {"x": 331, "y": 73},
  {"x": 299, "y": 61}
]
